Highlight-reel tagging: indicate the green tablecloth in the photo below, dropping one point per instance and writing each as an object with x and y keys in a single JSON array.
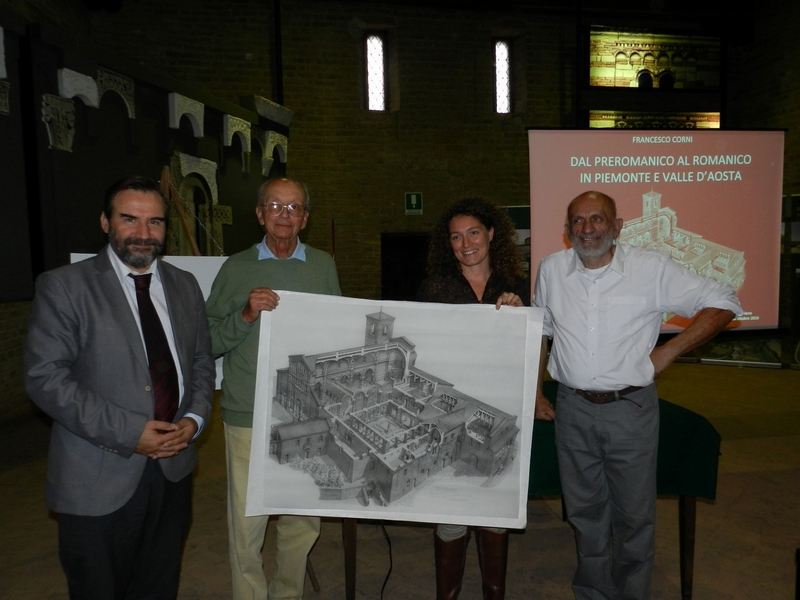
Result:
[{"x": 688, "y": 453}]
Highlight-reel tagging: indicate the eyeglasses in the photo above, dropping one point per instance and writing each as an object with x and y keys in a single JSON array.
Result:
[{"x": 275, "y": 209}]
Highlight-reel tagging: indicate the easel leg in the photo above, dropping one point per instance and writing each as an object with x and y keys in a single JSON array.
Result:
[
  {"x": 687, "y": 520},
  {"x": 349, "y": 540}
]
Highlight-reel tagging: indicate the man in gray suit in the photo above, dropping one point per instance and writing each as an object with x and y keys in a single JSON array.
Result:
[{"x": 125, "y": 408}]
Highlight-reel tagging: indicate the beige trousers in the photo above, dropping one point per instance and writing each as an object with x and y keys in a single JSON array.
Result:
[{"x": 296, "y": 535}]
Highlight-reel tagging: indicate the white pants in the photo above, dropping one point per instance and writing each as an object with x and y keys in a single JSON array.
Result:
[{"x": 296, "y": 535}]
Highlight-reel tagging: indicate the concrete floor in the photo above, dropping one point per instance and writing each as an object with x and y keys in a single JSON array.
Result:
[{"x": 746, "y": 538}]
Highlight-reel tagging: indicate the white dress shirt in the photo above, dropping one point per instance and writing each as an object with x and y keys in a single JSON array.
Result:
[
  {"x": 605, "y": 322},
  {"x": 159, "y": 299}
]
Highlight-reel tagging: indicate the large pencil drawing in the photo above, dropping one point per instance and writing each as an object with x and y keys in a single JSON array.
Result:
[{"x": 369, "y": 425}]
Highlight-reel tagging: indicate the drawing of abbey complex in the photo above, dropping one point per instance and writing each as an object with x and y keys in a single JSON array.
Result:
[
  {"x": 367, "y": 424},
  {"x": 657, "y": 230}
]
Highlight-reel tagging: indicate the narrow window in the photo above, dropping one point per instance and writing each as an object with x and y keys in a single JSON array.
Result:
[
  {"x": 502, "y": 76},
  {"x": 376, "y": 71}
]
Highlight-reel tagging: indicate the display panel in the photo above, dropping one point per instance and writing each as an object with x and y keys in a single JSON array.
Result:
[{"x": 709, "y": 199}]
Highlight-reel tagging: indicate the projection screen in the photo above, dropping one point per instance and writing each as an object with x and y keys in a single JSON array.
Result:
[{"x": 710, "y": 199}]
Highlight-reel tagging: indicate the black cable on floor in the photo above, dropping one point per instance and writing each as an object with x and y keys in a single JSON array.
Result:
[{"x": 389, "y": 542}]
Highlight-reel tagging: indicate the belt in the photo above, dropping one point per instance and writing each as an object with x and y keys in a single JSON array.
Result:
[{"x": 606, "y": 397}]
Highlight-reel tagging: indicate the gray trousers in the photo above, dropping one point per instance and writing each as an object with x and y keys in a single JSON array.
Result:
[{"x": 607, "y": 460}]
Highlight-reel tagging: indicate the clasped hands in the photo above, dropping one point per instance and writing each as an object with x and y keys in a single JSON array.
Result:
[{"x": 164, "y": 440}]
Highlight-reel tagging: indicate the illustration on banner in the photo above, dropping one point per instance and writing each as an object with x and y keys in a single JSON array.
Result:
[
  {"x": 657, "y": 229},
  {"x": 368, "y": 425}
]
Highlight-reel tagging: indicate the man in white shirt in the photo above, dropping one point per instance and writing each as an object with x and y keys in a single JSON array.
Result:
[{"x": 604, "y": 307}]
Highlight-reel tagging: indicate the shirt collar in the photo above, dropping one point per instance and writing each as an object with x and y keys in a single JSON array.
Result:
[
  {"x": 617, "y": 261},
  {"x": 264, "y": 253}
]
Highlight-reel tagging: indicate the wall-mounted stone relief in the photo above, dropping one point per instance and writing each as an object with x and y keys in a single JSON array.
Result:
[
  {"x": 269, "y": 140},
  {"x": 109, "y": 81},
  {"x": 188, "y": 172},
  {"x": 234, "y": 126},
  {"x": 58, "y": 115},
  {"x": 5, "y": 90},
  {"x": 5, "y": 86},
  {"x": 72, "y": 84},
  {"x": 202, "y": 167},
  {"x": 273, "y": 111},
  {"x": 181, "y": 105},
  {"x": 3, "y": 73}
]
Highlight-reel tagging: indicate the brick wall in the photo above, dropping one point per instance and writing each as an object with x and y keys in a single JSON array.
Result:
[
  {"x": 444, "y": 141},
  {"x": 65, "y": 15},
  {"x": 763, "y": 93},
  {"x": 221, "y": 47},
  {"x": 763, "y": 89}
]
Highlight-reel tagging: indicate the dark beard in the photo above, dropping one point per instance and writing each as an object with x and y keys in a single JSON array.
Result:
[{"x": 134, "y": 260}]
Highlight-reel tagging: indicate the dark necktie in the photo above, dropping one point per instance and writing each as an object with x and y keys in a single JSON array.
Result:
[{"x": 163, "y": 375}]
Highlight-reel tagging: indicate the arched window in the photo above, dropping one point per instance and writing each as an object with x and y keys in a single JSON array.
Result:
[
  {"x": 375, "y": 43},
  {"x": 502, "y": 76},
  {"x": 645, "y": 80}
]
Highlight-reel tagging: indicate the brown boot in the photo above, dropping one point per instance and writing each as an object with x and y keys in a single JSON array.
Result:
[
  {"x": 450, "y": 559},
  {"x": 493, "y": 559}
]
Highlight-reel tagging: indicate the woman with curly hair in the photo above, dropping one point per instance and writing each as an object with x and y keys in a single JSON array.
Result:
[{"x": 473, "y": 258}]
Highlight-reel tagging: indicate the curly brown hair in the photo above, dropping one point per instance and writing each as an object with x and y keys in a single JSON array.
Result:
[{"x": 504, "y": 255}]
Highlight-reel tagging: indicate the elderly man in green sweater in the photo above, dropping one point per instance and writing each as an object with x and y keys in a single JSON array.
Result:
[{"x": 243, "y": 288}]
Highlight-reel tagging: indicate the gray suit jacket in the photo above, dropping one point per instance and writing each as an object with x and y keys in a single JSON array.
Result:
[{"x": 86, "y": 367}]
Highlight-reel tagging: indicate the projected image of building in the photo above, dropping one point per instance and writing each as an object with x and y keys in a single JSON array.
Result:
[
  {"x": 657, "y": 229},
  {"x": 651, "y": 60},
  {"x": 366, "y": 423}
]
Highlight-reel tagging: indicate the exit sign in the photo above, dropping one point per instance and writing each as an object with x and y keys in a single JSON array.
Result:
[{"x": 413, "y": 203}]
